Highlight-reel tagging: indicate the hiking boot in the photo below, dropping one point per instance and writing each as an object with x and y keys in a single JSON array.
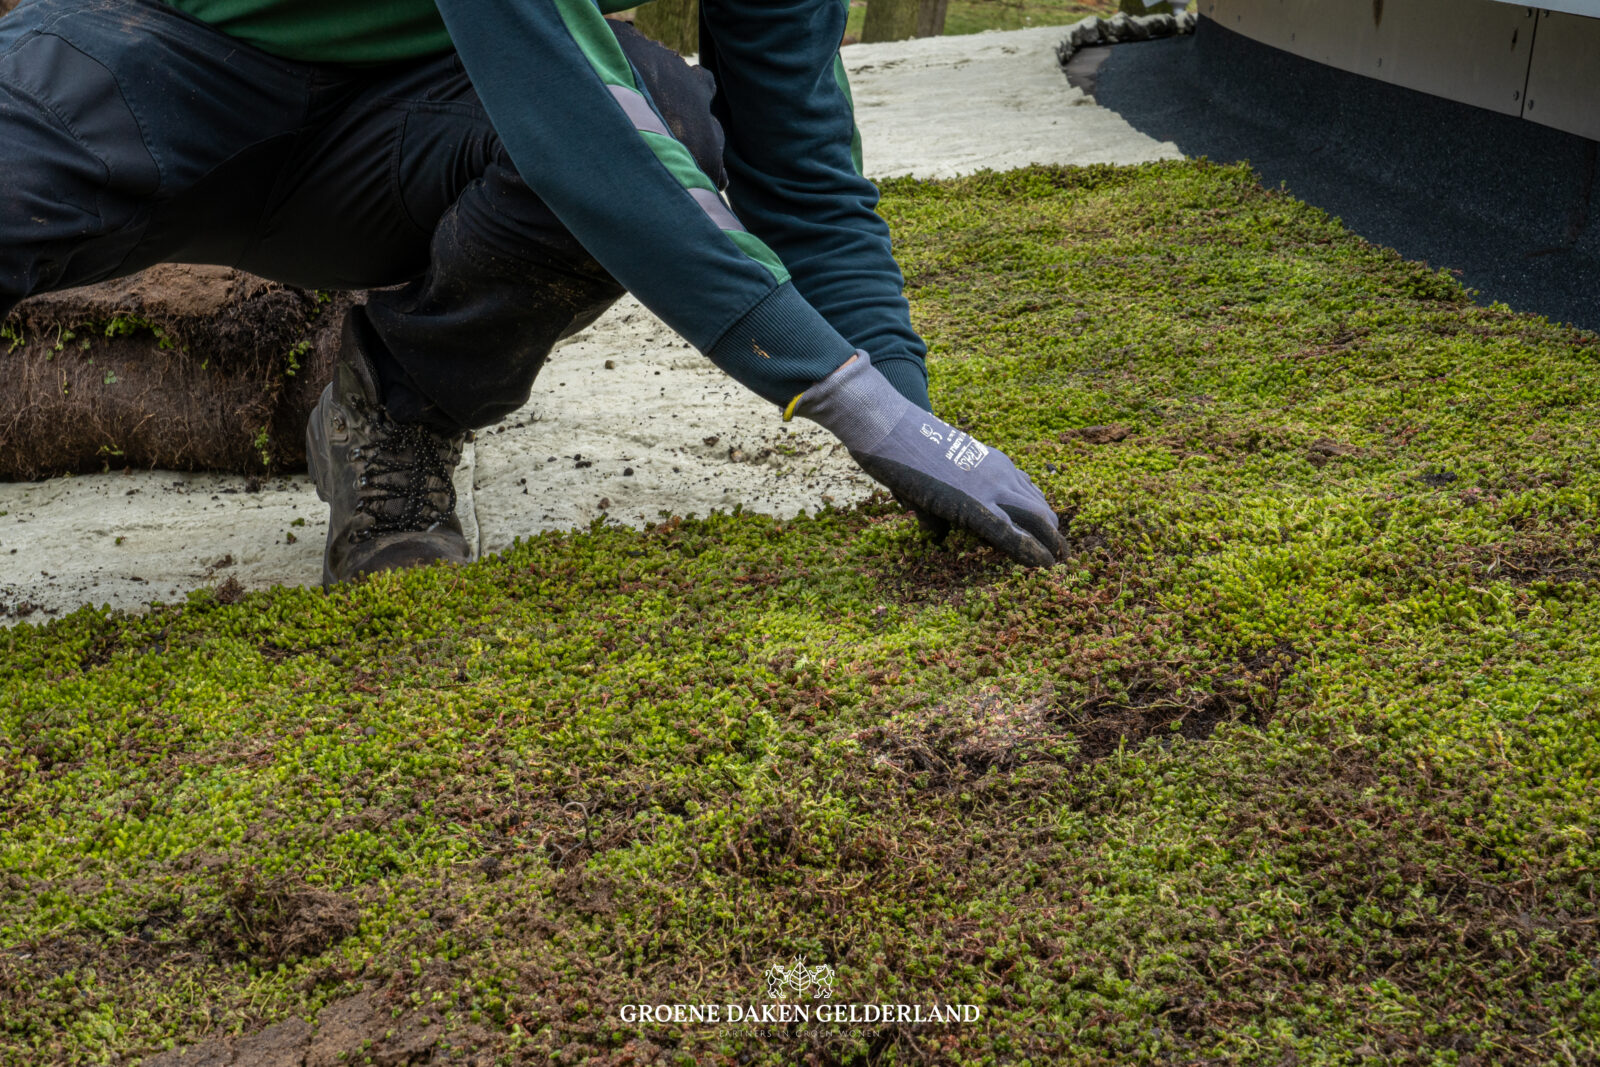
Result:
[{"x": 387, "y": 484}]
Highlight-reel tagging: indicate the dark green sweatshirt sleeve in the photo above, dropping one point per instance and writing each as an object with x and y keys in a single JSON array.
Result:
[
  {"x": 794, "y": 171},
  {"x": 586, "y": 139}
]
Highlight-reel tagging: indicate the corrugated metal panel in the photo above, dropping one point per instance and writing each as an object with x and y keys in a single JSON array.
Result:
[
  {"x": 1475, "y": 52},
  {"x": 1564, "y": 77},
  {"x": 1587, "y": 8},
  {"x": 1480, "y": 52}
]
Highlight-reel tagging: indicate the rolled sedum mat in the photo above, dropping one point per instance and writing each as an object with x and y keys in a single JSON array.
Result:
[{"x": 180, "y": 367}]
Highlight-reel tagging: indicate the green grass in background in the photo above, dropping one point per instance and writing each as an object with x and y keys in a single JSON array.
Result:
[
  {"x": 1293, "y": 760},
  {"x": 975, "y": 16}
]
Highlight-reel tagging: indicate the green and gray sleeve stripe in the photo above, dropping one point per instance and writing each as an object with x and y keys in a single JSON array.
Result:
[
  {"x": 645, "y": 120},
  {"x": 583, "y": 135}
]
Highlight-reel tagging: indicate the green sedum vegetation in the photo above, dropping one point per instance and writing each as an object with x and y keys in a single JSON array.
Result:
[{"x": 1292, "y": 760}]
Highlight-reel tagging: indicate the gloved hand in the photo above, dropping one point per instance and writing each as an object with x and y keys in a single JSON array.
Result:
[{"x": 938, "y": 470}]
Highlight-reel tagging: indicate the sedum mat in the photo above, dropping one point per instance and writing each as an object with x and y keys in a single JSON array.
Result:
[{"x": 1293, "y": 760}]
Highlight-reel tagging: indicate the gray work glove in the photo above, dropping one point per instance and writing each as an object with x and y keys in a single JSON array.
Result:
[{"x": 941, "y": 472}]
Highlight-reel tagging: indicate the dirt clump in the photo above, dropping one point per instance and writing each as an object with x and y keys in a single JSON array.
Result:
[
  {"x": 1152, "y": 699},
  {"x": 1098, "y": 435},
  {"x": 229, "y": 591},
  {"x": 359, "y": 1028},
  {"x": 944, "y": 745},
  {"x": 276, "y": 920},
  {"x": 1323, "y": 449}
]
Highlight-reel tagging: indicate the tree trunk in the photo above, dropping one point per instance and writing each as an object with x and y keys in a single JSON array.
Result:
[
  {"x": 890, "y": 20},
  {"x": 675, "y": 23},
  {"x": 930, "y": 20}
]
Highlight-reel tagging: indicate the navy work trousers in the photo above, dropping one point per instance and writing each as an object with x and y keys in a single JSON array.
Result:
[{"x": 132, "y": 134}]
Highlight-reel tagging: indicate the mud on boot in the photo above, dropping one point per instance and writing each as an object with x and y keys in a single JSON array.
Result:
[{"x": 387, "y": 484}]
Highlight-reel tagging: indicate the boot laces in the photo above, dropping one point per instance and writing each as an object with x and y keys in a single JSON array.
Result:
[{"x": 405, "y": 480}]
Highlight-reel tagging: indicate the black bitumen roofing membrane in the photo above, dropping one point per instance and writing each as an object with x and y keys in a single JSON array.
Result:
[{"x": 1510, "y": 204}]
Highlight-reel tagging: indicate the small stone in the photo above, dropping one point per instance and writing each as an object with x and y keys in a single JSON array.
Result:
[
  {"x": 611, "y": 364},
  {"x": 1085, "y": 33},
  {"x": 1437, "y": 478},
  {"x": 627, "y": 472},
  {"x": 1157, "y": 25},
  {"x": 605, "y": 502}
]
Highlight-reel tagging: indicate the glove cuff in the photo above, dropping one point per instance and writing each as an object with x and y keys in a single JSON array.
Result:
[{"x": 856, "y": 402}]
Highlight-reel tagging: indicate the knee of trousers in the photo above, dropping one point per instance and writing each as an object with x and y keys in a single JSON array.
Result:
[
  {"x": 75, "y": 166},
  {"x": 682, "y": 93}
]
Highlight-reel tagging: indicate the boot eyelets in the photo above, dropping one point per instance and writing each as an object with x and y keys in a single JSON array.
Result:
[{"x": 394, "y": 487}]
